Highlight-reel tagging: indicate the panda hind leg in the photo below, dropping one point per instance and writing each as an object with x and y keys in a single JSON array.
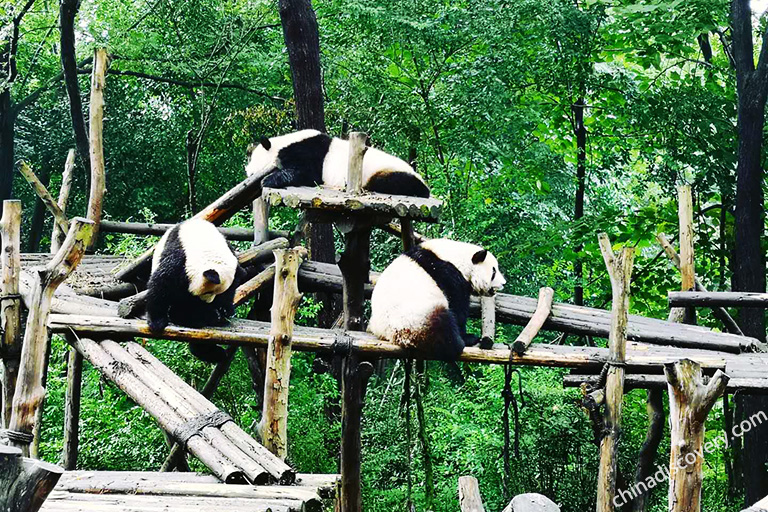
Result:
[
  {"x": 448, "y": 341},
  {"x": 208, "y": 353}
]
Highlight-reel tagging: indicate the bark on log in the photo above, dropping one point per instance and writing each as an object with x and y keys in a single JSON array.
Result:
[
  {"x": 246, "y": 290},
  {"x": 543, "y": 309},
  {"x": 260, "y": 220},
  {"x": 24, "y": 483},
  {"x": 720, "y": 313},
  {"x": 469, "y": 495},
  {"x": 690, "y": 400},
  {"x": 714, "y": 299},
  {"x": 687, "y": 267},
  {"x": 274, "y": 422},
  {"x": 29, "y": 387},
  {"x": 750, "y": 385},
  {"x": 57, "y": 237},
  {"x": 620, "y": 271},
  {"x": 58, "y": 216},
  {"x": 355, "y": 169},
  {"x": 152, "y": 229},
  {"x": 10, "y": 303},
  {"x": 96, "y": 138},
  {"x": 72, "y": 409}
]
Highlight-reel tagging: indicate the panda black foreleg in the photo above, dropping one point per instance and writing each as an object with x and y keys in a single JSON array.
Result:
[
  {"x": 159, "y": 299},
  {"x": 224, "y": 303}
]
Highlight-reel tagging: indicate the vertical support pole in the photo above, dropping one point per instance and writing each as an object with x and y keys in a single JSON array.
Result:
[
  {"x": 96, "y": 136},
  {"x": 260, "y": 220},
  {"x": 406, "y": 234},
  {"x": 690, "y": 400},
  {"x": 488, "y": 316},
  {"x": 66, "y": 185},
  {"x": 72, "y": 409},
  {"x": 30, "y": 391},
  {"x": 687, "y": 269},
  {"x": 274, "y": 419},
  {"x": 620, "y": 270},
  {"x": 355, "y": 170},
  {"x": 355, "y": 265},
  {"x": 10, "y": 303}
]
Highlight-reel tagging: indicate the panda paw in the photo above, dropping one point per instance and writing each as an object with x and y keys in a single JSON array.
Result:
[
  {"x": 470, "y": 340},
  {"x": 158, "y": 324},
  {"x": 486, "y": 343}
]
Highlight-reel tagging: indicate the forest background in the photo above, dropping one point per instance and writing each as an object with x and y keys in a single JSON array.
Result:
[{"x": 539, "y": 124}]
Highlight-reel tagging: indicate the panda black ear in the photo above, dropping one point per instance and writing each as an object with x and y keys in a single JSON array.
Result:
[
  {"x": 479, "y": 256},
  {"x": 266, "y": 143},
  {"x": 212, "y": 276}
]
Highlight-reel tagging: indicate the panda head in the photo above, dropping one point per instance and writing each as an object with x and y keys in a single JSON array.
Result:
[
  {"x": 262, "y": 156},
  {"x": 485, "y": 276},
  {"x": 209, "y": 285}
]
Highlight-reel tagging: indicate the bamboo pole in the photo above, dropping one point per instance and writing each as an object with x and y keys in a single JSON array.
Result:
[
  {"x": 620, "y": 271},
  {"x": 687, "y": 266},
  {"x": 690, "y": 400},
  {"x": 10, "y": 303},
  {"x": 72, "y": 409},
  {"x": 96, "y": 137},
  {"x": 58, "y": 216},
  {"x": 274, "y": 422},
  {"x": 57, "y": 237},
  {"x": 543, "y": 310},
  {"x": 30, "y": 392}
]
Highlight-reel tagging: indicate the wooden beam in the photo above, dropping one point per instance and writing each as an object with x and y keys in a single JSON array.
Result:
[
  {"x": 157, "y": 229},
  {"x": 30, "y": 392},
  {"x": 469, "y": 495},
  {"x": 690, "y": 400},
  {"x": 57, "y": 236},
  {"x": 543, "y": 309},
  {"x": 253, "y": 285},
  {"x": 96, "y": 137},
  {"x": 714, "y": 299},
  {"x": 58, "y": 216},
  {"x": 274, "y": 422},
  {"x": 620, "y": 271},
  {"x": 751, "y": 385},
  {"x": 24, "y": 483},
  {"x": 10, "y": 303}
]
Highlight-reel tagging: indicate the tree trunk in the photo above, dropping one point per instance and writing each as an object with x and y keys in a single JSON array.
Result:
[
  {"x": 578, "y": 212},
  {"x": 7, "y": 134},
  {"x": 67, "y": 13},
  {"x": 38, "y": 215}
]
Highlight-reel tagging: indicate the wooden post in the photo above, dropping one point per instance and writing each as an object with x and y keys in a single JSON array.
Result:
[
  {"x": 620, "y": 270},
  {"x": 687, "y": 268},
  {"x": 488, "y": 320},
  {"x": 24, "y": 483},
  {"x": 543, "y": 309},
  {"x": 469, "y": 495},
  {"x": 690, "y": 399},
  {"x": 260, "y": 220},
  {"x": 45, "y": 196},
  {"x": 95, "y": 134},
  {"x": 72, "y": 409},
  {"x": 66, "y": 185},
  {"x": 10, "y": 302},
  {"x": 30, "y": 392},
  {"x": 407, "y": 235},
  {"x": 274, "y": 419},
  {"x": 357, "y": 150}
]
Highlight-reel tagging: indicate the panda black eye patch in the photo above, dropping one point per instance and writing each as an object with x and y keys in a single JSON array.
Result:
[{"x": 493, "y": 275}]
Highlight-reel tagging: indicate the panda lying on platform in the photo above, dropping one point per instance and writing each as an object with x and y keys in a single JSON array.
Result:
[
  {"x": 194, "y": 278},
  {"x": 421, "y": 300},
  {"x": 309, "y": 158}
]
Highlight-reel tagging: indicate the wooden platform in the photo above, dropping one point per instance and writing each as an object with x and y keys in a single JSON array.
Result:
[
  {"x": 115, "y": 491},
  {"x": 369, "y": 203}
]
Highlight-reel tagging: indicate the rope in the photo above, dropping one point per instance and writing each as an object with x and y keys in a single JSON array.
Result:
[
  {"x": 196, "y": 425},
  {"x": 17, "y": 436}
]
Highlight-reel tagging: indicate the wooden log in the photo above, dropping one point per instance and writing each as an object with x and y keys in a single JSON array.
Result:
[
  {"x": 246, "y": 290},
  {"x": 278, "y": 469},
  {"x": 24, "y": 483},
  {"x": 256, "y": 334},
  {"x": 218, "y": 372},
  {"x": 357, "y": 151},
  {"x": 96, "y": 137},
  {"x": 30, "y": 392},
  {"x": 620, "y": 271},
  {"x": 72, "y": 409},
  {"x": 469, "y": 495},
  {"x": 260, "y": 220},
  {"x": 751, "y": 385},
  {"x": 57, "y": 237},
  {"x": 262, "y": 253},
  {"x": 719, "y": 312},
  {"x": 274, "y": 422},
  {"x": 543, "y": 309},
  {"x": 157, "y": 229},
  {"x": 164, "y": 414},
  {"x": 10, "y": 303},
  {"x": 690, "y": 400},
  {"x": 687, "y": 267},
  {"x": 58, "y": 216},
  {"x": 397, "y": 230},
  {"x": 714, "y": 299}
]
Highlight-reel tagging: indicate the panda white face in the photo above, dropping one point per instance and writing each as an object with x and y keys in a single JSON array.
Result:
[
  {"x": 210, "y": 284},
  {"x": 261, "y": 157},
  {"x": 486, "y": 277}
]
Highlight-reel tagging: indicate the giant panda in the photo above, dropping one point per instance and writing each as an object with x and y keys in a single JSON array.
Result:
[
  {"x": 310, "y": 157},
  {"x": 194, "y": 278},
  {"x": 421, "y": 300}
]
